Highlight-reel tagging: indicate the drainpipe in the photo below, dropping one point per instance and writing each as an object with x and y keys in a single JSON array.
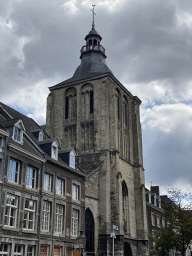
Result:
[
  {"x": 40, "y": 207},
  {"x": 3, "y": 174}
]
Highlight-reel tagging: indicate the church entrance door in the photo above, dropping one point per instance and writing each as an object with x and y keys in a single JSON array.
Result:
[
  {"x": 127, "y": 249},
  {"x": 89, "y": 231}
]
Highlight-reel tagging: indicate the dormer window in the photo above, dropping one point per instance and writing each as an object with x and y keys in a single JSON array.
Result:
[
  {"x": 54, "y": 151},
  {"x": 40, "y": 136},
  {"x": 72, "y": 159},
  {"x": 18, "y": 132}
]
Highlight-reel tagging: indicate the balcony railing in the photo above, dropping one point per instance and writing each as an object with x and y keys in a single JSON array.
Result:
[{"x": 93, "y": 47}]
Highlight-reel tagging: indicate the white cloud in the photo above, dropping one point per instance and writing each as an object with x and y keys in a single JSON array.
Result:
[
  {"x": 149, "y": 93},
  {"x": 31, "y": 100},
  {"x": 71, "y": 7},
  {"x": 168, "y": 118},
  {"x": 184, "y": 19}
]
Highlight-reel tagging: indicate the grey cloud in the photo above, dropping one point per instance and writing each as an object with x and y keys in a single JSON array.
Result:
[
  {"x": 167, "y": 157},
  {"x": 143, "y": 42}
]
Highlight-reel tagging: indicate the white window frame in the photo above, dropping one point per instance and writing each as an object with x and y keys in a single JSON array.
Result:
[
  {"x": 16, "y": 253},
  {"x": 54, "y": 150},
  {"x": 153, "y": 219},
  {"x": 75, "y": 192},
  {"x": 2, "y": 251},
  {"x": 47, "y": 182},
  {"x": 163, "y": 222},
  {"x": 29, "y": 211},
  {"x": 18, "y": 127},
  {"x": 158, "y": 221},
  {"x": 72, "y": 159},
  {"x": 40, "y": 138},
  {"x": 17, "y": 134},
  {"x": 13, "y": 171},
  {"x": 59, "y": 213},
  {"x": 60, "y": 186},
  {"x": 8, "y": 209},
  {"x": 30, "y": 179},
  {"x": 46, "y": 213},
  {"x": 75, "y": 222},
  {"x": 31, "y": 253}
]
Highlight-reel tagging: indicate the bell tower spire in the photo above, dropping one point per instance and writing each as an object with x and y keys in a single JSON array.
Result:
[
  {"x": 92, "y": 54},
  {"x": 93, "y": 23}
]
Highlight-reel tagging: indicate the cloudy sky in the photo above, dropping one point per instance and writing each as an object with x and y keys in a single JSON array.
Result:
[{"x": 149, "y": 49}]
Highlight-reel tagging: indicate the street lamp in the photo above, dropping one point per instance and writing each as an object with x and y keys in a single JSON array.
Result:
[{"x": 114, "y": 236}]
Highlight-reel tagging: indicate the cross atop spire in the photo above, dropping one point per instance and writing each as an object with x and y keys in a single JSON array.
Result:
[{"x": 93, "y": 24}]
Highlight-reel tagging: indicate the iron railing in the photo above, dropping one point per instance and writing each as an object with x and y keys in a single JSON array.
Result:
[{"x": 93, "y": 47}]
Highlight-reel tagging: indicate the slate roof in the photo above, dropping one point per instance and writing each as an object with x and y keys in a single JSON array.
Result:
[
  {"x": 93, "y": 32},
  {"x": 74, "y": 79},
  {"x": 2, "y": 127},
  {"x": 47, "y": 141},
  {"x": 90, "y": 67},
  {"x": 166, "y": 200},
  {"x": 30, "y": 142},
  {"x": 66, "y": 150},
  {"x": 9, "y": 122}
]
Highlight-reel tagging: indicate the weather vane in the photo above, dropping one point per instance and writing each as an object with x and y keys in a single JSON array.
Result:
[{"x": 93, "y": 24}]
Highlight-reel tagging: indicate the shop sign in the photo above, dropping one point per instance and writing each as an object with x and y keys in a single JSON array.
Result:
[
  {"x": 77, "y": 252},
  {"x": 69, "y": 252},
  {"x": 43, "y": 251},
  {"x": 57, "y": 251}
]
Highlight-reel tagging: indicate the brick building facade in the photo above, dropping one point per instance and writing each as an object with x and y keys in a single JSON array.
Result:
[
  {"x": 42, "y": 199},
  {"x": 155, "y": 213}
]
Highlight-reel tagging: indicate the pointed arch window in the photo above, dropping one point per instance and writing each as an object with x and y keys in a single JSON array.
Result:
[
  {"x": 89, "y": 230},
  {"x": 118, "y": 95},
  {"x": 91, "y": 101},
  {"x": 125, "y": 206},
  {"x": 66, "y": 107},
  {"x": 118, "y": 108}
]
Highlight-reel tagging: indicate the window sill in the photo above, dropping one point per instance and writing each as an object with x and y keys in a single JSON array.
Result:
[
  {"x": 32, "y": 189},
  {"x": 58, "y": 234},
  {"x": 13, "y": 183},
  {"x": 29, "y": 231},
  {"x": 10, "y": 228},
  {"x": 73, "y": 237},
  {"x": 75, "y": 201},
  {"x": 48, "y": 192},
  {"x": 45, "y": 232},
  {"x": 19, "y": 142}
]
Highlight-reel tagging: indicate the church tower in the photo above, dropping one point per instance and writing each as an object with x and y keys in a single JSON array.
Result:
[{"x": 95, "y": 114}]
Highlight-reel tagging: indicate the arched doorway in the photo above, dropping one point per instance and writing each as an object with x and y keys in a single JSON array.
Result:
[
  {"x": 127, "y": 250},
  {"x": 89, "y": 230}
]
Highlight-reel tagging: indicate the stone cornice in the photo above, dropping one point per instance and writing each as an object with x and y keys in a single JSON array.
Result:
[{"x": 89, "y": 79}]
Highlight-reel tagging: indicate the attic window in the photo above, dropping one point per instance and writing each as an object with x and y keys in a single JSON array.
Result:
[
  {"x": 18, "y": 132},
  {"x": 40, "y": 136},
  {"x": 72, "y": 159},
  {"x": 54, "y": 151}
]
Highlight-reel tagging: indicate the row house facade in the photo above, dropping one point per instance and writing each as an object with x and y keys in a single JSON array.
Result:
[
  {"x": 156, "y": 217},
  {"x": 42, "y": 198},
  {"x": 155, "y": 214}
]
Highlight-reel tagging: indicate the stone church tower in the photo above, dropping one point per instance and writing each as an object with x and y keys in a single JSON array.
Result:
[{"x": 95, "y": 114}]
